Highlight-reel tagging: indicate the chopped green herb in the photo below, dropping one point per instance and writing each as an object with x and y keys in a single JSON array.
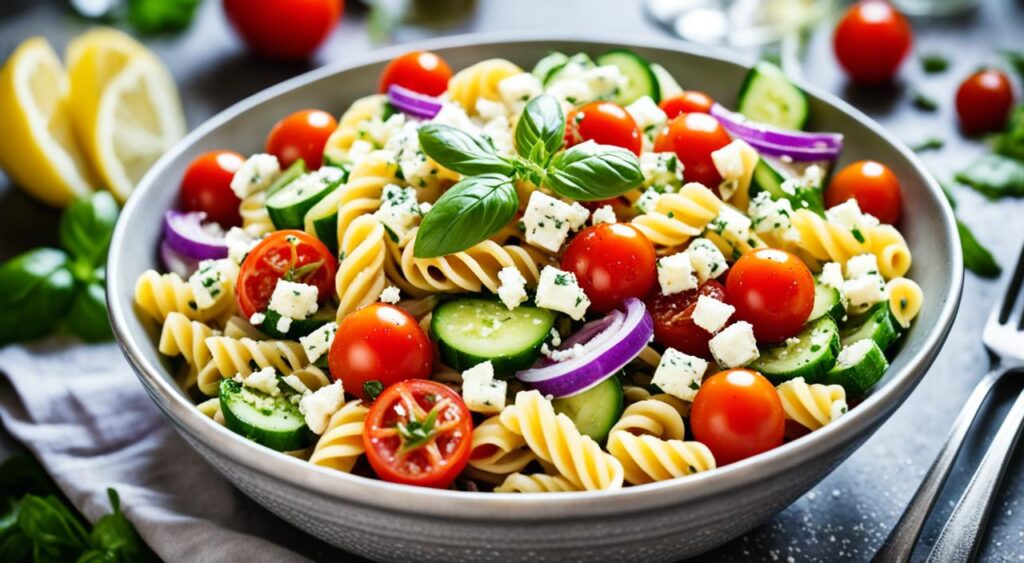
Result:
[
  {"x": 933, "y": 63},
  {"x": 373, "y": 389},
  {"x": 930, "y": 144},
  {"x": 924, "y": 101}
]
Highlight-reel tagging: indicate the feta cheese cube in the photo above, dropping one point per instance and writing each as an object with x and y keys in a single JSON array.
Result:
[
  {"x": 399, "y": 211},
  {"x": 284, "y": 324},
  {"x": 662, "y": 170},
  {"x": 391, "y": 295},
  {"x": 453, "y": 115},
  {"x": 318, "y": 342},
  {"x": 865, "y": 291},
  {"x": 648, "y": 201},
  {"x": 735, "y": 163},
  {"x": 832, "y": 276},
  {"x": 490, "y": 109},
  {"x": 675, "y": 273},
  {"x": 847, "y": 215},
  {"x": 735, "y": 346},
  {"x": 649, "y": 119},
  {"x": 559, "y": 291},
  {"x": 264, "y": 380},
  {"x": 708, "y": 262},
  {"x": 359, "y": 150},
  {"x": 319, "y": 406},
  {"x": 604, "y": 81},
  {"x": 679, "y": 374},
  {"x": 499, "y": 131},
  {"x": 577, "y": 216},
  {"x": 255, "y": 175},
  {"x": 573, "y": 352},
  {"x": 548, "y": 220},
  {"x": 481, "y": 392},
  {"x": 861, "y": 265},
  {"x": 294, "y": 300},
  {"x": 239, "y": 243},
  {"x": 711, "y": 314},
  {"x": 768, "y": 215},
  {"x": 211, "y": 281},
  {"x": 603, "y": 214},
  {"x": 518, "y": 89},
  {"x": 512, "y": 290},
  {"x": 257, "y": 319},
  {"x": 570, "y": 92},
  {"x": 416, "y": 168},
  {"x": 731, "y": 224}
]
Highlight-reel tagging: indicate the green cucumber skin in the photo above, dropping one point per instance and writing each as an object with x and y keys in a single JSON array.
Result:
[
  {"x": 668, "y": 87},
  {"x": 767, "y": 72},
  {"x": 595, "y": 410},
  {"x": 548, "y": 65},
  {"x": 876, "y": 323},
  {"x": 859, "y": 378},
  {"x": 769, "y": 179},
  {"x": 281, "y": 440},
  {"x": 643, "y": 81},
  {"x": 827, "y": 301},
  {"x": 326, "y": 229},
  {"x": 299, "y": 327},
  {"x": 297, "y": 168},
  {"x": 293, "y": 216},
  {"x": 812, "y": 369}
]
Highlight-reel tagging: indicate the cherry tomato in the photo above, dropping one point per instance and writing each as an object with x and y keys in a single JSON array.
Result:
[
  {"x": 690, "y": 101},
  {"x": 302, "y": 134},
  {"x": 875, "y": 188},
  {"x": 283, "y": 29},
  {"x": 693, "y": 137},
  {"x": 288, "y": 254},
  {"x": 379, "y": 342},
  {"x": 772, "y": 290},
  {"x": 871, "y": 41},
  {"x": 206, "y": 186},
  {"x": 419, "y": 71},
  {"x": 604, "y": 123},
  {"x": 736, "y": 414},
  {"x": 983, "y": 101},
  {"x": 418, "y": 432},
  {"x": 612, "y": 261},
  {"x": 673, "y": 319}
]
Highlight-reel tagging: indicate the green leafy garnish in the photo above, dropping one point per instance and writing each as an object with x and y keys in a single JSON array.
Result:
[
  {"x": 930, "y": 144},
  {"x": 373, "y": 389},
  {"x": 977, "y": 258},
  {"x": 469, "y": 212},
  {"x": 590, "y": 171},
  {"x": 924, "y": 101},
  {"x": 933, "y": 63},
  {"x": 541, "y": 130},
  {"x": 157, "y": 16},
  {"x": 415, "y": 433},
  {"x": 994, "y": 175},
  {"x": 1011, "y": 141},
  {"x": 460, "y": 151}
]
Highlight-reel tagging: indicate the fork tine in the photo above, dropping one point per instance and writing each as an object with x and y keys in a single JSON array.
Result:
[{"x": 1012, "y": 290}]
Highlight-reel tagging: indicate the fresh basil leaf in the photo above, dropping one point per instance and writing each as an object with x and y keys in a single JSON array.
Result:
[
  {"x": 541, "y": 129},
  {"x": 469, "y": 212},
  {"x": 114, "y": 536},
  {"x": 88, "y": 315},
  {"x": 1011, "y": 141},
  {"x": 995, "y": 176},
  {"x": 86, "y": 227},
  {"x": 590, "y": 171},
  {"x": 156, "y": 16},
  {"x": 51, "y": 526},
  {"x": 977, "y": 258},
  {"x": 10, "y": 507},
  {"x": 459, "y": 151},
  {"x": 36, "y": 289}
]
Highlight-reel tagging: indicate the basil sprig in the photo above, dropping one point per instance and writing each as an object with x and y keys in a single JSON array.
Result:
[{"x": 483, "y": 202}]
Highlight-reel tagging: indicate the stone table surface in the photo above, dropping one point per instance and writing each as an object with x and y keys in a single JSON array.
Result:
[{"x": 846, "y": 516}]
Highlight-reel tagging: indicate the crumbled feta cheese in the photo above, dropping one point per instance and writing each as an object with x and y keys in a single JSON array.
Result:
[
  {"x": 455, "y": 116},
  {"x": 512, "y": 290},
  {"x": 662, "y": 170},
  {"x": 865, "y": 291},
  {"x": 711, "y": 314},
  {"x": 518, "y": 89},
  {"x": 548, "y": 220},
  {"x": 813, "y": 176},
  {"x": 425, "y": 207},
  {"x": 832, "y": 276},
  {"x": 577, "y": 216},
  {"x": 735, "y": 346},
  {"x": 294, "y": 300},
  {"x": 257, "y": 319},
  {"x": 239, "y": 243},
  {"x": 853, "y": 353},
  {"x": 490, "y": 109},
  {"x": 847, "y": 215},
  {"x": 499, "y": 131},
  {"x": 319, "y": 406},
  {"x": 399, "y": 211},
  {"x": 255, "y": 175},
  {"x": 861, "y": 265},
  {"x": 293, "y": 381},
  {"x": 735, "y": 163},
  {"x": 649, "y": 119},
  {"x": 318, "y": 342},
  {"x": 315, "y": 182},
  {"x": 679, "y": 374},
  {"x": 603, "y": 214},
  {"x": 481, "y": 392},
  {"x": 211, "y": 281},
  {"x": 731, "y": 224},
  {"x": 648, "y": 201},
  {"x": 708, "y": 261},
  {"x": 555, "y": 338},
  {"x": 417, "y": 169},
  {"x": 768, "y": 215},
  {"x": 284, "y": 324},
  {"x": 571, "y": 92},
  {"x": 359, "y": 150},
  {"x": 559, "y": 291},
  {"x": 264, "y": 380},
  {"x": 573, "y": 352},
  {"x": 675, "y": 273},
  {"x": 604, "y": 81},
  {"x": 391, "y": 294}
]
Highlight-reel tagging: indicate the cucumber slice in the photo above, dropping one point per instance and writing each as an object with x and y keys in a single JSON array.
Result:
[
  {"x": 858, "y": 367},
  {"x": 768, "y": 97},
  {"x": 770, "y": 177},
  {"x": 298, "y": 168},
  {"x": 274, "y": 422},
  {"x": 549, "y": 64},
  {"x": 827, "y": 301},
  {"x": 321, "y": 220},
  {"x": 299, "y": 327},
  {"x": 288, "y": 206},
  {"x": 595, "y": 410},
  {"x": 667, "y": 85},
  {"x": 809, "y": 354},
  {"x": 471, "y": 331},
  {"x": 641, "y": 79},
  {"x": 579, "y": 61},
  {"x": 875, "y": 324}
]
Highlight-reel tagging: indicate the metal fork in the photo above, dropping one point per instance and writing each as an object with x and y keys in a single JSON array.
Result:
[{"x": 960, "y": 538}]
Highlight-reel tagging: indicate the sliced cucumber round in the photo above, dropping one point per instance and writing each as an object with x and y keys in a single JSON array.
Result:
[
  {"x": 321, "y": 220},
  {"x": 768, "y": 97},
  {"x": 298, "y": 168},
  {"x": 667, "y": 85},
  {"x": 827, "y": 301},
  {"x": 876, "y": 324},
  {"x": 641, "y": 80},
  {"x": 595, "y": 410},
  {"x": 548, "y": 65},
  {"x": 274, "y": 422},
  {"x": 809, "y": 354},
  {"x": 858, "y": 368},
  {"x": 472, "y": 331},
  {"x": 558, "y": 71},
  {"x": 298, "y": 327},
  {"x": 288, "y": 206},
  {"x": 770, "y": 176}
]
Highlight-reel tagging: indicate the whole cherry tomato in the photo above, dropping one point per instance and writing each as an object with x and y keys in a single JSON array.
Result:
[
  {"x": 871, "y": 41},
  {"x": 302, "y": 134},
  {"x": 612, "y": 261},
  {"x": 983, "y": 101},
  {"x": 690, "y": 101},
  {"x": 419, "y": 71},
  {"x": 292, "y": 255},
  {"x": 604, "y": 123},
  {"x": 737, "y": 414},
  {"x": 772, "y": 290},
  {"x": 874, "y": 187},
  {"x": 206, "y": 186},
  {"x": 673, "y": 318},
  {"x": 283, "y": 29},
  {"x": 693, "y": 137}
]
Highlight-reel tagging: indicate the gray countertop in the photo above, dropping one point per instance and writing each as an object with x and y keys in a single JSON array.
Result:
[{"x": 848, "y": 514}]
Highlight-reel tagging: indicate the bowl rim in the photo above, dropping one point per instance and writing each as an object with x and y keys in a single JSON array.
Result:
[{"x": 531, "y": 506}]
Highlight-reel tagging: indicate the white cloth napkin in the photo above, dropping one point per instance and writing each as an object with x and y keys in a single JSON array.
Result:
[{"x": 81, "y": 410}]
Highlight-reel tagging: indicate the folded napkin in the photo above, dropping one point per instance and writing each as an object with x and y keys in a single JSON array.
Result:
[{"x": 83, "y": 413}]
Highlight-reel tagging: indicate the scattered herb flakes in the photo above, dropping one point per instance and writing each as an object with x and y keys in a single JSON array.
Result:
[
  {"x": 924, "y": 101},
  {"x": 930, "y": 144},
  {"x": 933, "y": 63}
]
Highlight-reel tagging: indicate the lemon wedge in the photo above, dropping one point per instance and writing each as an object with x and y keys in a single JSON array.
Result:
[{"x": 38, "y": 148}]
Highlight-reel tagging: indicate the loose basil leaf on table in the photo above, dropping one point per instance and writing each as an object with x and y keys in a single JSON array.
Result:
[
  {"x": 590, "y": 171},
  {"x": 469, "y": 212},
  {"x": 977, "y": 258},
  {"x": 88, "y": 315},
  {"x": 53, "y": 528},
  {"x": 994, "y": 176},
  {"x": 114, "y": 539},
  {"x": 86, "y": 227},
  {"x": 1011, "y": 141},
  {"x": 36, "y": 290},
  {"x": 541, "y": 129},
  {"x": 460, "y": 151}
]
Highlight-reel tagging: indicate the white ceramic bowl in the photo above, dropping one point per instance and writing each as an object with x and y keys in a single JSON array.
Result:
[{"x": 660, "y": 521}]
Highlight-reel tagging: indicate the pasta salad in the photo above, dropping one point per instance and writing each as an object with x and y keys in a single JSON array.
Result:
[{"x": 576, "y": 277}]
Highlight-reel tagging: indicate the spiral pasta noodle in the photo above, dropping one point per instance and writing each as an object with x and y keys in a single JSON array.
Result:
[
  {"x": 905, "y": 300},
  {"x": 255, "y": 217},
  {"x": 498, "y": 450},
  {"x": 651, "y": 417},
  {"x": 211, "y": 408},
  {"x": 312, "y": 377},
  {"x": 244, "y": 356},
  {"x": 555, "y": 439},
  {"x": 824, "y": 241},
  {"x": 360, "y": 277},
  {"x": 181, "y": 336},
  {"x": 536, "y": 483},
  {"x": 646, "y": 459},
  {"x": 678, "y": 217},
  {"x": 361, "y": 112},
  {"x": 159, "y": 295},
  {"x": 812, "y": 405},
  {"x": 480, "y": 81},
  {"x": 362, "y": 193},
  {"x": 341, "y": 444},
  {"x": 239, "y": 327}
]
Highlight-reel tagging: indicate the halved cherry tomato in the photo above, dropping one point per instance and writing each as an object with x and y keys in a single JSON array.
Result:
[
  {"x": 983, "y": 101},
  {"x": 693, "y": 137},
  {"x": 284, "y": 29},
  {"x": 612, "y": 261},
  {"x": 419, "y": 71},
  {"x": 673, "y": 318},
  {"x": 689, "y": 101},
  {"x": 737, "y": 414},
  {"x": 604, "y": 123},
  {"x": 772, "y": 290},
  {"x": 871, "y": 41},
  {"x": 379, "y": 342},
  {"x": 418, "y": 432},
  {"x": 875, "y": 188},
  {"x": 206, "y": 186},
  {"x": 302, "y": 134},
  {"x": 291, "y": 255}
]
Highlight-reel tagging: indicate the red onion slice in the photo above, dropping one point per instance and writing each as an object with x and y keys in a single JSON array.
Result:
[
  {"x": 176, "y": 262},
  {"x": 187, "y": 234},
  {"x": 413, "y": 103},
  {"x": 797, "y": 145}
]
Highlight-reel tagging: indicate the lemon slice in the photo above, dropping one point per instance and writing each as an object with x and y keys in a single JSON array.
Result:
[
  {"x": 37, "y": 147},
  {"x": 125, "y": 107}
]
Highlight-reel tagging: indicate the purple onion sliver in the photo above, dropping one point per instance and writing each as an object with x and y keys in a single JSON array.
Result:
[
  {"x": 184, "y": 233},
  {"x": 803, "y": 155},
  {"x": 413, "y": 103},
  {"x": 739, "y": 125}
]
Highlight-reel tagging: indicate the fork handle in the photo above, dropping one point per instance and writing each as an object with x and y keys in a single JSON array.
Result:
[
  {"x": 898, "y": 547},
  {"x": 961, "y": 536}
]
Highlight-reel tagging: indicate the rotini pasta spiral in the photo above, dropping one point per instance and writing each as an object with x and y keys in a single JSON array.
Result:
[
  {"x": 211, "y": 408},
  {"x": 342, "y": 442},
  {"x": 239, "y": 327},
  {"x": 678, "y": 217},
  {"x": 181, "y": 336},
  {"x": 508, "y": 451},
  {"x": 814, "y": 405},
  {"x": 646, "y": 459},
  {"x": 255, "y": 217},
  {"x": 480, "y": 81},
  {"x": 905, "y": 300},
  {"x": 312, "y": 377},
  {"x": 244, "y": 356},
  {"x": 536, "y": 483},
  {"x": 360, "y": 278},
  {"x": 361, "y": 112},
  {"x": 362, "y": 193},
  {"x": 823, "y": 241},
  {"x": 555, "y": 439},
  {"x": 653, "y": 418},
  {"x": 159, "y": 295}
]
